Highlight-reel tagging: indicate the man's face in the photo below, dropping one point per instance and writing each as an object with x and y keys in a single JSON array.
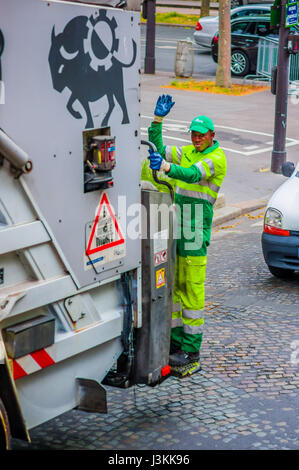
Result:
[{"x": 202, "y": 141}]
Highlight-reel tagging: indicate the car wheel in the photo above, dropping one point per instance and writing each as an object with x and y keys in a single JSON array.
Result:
[
  {"x": 215, "y": 58},
  {"x": 281, "y": 272},
  {"x": 239, "y": 63}
]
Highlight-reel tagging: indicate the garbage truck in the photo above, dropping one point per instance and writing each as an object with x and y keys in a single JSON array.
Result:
[{"x": 86, "y": 255}]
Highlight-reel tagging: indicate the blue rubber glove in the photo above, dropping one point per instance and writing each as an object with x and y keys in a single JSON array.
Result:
[
  {"x": 155, "y": 160},
  {"x": 164, "y": 105}
]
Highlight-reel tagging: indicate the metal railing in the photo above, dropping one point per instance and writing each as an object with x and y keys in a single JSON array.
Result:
[
  {"x": 267, "y": 59},
  {"x": 294, "y": 68}
]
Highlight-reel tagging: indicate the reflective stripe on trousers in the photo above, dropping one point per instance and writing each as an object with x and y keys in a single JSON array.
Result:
[
  {"x": 188, "y": 298},
  {"x": 193, "y": 321}
]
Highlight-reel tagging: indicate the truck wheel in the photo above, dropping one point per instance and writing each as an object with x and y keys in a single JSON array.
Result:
[
  {"x": 5, "y": 436},
  {"x": 281, "y": 272}
]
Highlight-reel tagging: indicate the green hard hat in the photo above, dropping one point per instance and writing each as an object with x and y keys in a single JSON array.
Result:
[{"x": 202, "y": 124}]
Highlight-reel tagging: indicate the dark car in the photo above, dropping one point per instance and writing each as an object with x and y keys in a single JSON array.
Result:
[
  {"x": 245, "y": 35},
  {"x": 207, "y": 26}
]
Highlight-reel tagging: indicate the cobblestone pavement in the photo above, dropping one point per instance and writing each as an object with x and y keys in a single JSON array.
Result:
[{"x": 245, "y": 397}]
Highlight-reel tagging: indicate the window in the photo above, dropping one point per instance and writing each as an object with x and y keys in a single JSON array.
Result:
[
  {"x": 263, "y": 29},
  {"x": 245, "y": 27},
  {"x": 239, "y": 28}
]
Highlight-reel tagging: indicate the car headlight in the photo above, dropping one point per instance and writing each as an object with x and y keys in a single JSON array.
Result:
[{"x": 273, "y": 218}]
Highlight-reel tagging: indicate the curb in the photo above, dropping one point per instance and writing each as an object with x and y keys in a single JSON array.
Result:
[{"x": 235, "y": 210}]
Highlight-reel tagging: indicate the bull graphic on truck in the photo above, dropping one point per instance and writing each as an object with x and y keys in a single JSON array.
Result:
[{"x": 82, "y": 59}]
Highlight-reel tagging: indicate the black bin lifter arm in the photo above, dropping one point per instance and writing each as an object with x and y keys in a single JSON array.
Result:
[{"x": 165, "y": 183}]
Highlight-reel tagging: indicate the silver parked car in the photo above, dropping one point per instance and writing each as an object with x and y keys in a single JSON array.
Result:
[{"x": 207, "y": 27}]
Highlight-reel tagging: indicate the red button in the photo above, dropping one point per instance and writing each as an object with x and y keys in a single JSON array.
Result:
[{"x": 165, "y": 371}]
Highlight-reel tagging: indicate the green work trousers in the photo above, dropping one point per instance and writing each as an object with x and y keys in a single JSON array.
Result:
[{"x": 188, "y": 302}]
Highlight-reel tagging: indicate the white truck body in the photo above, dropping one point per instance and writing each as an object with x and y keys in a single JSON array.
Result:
[{"x": 54, "y": 261}]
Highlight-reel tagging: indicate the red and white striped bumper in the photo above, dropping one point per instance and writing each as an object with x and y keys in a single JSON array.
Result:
[{"x": 32, "y": 363}]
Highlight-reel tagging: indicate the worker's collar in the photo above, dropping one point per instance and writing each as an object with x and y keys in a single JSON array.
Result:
[{"x": 209, "y": 149}]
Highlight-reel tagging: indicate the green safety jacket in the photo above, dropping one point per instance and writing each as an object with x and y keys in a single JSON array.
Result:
[{"x": 198, "y": 177}]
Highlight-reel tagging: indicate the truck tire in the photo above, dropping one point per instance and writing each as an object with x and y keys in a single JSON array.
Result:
[
  {"x": 5, "y": 435},
  {"x": 281, "y": 273}
]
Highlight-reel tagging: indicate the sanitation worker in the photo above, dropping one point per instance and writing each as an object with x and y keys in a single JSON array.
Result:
[{"x": 198, "y": 170}]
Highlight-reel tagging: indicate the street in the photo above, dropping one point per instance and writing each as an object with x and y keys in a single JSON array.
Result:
[
  {"x": 165, "y": 49},
  {"x": 245, "y": 397}
]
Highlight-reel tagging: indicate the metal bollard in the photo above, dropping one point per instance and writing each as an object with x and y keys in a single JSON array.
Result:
[{"x": 184, "y": 58}]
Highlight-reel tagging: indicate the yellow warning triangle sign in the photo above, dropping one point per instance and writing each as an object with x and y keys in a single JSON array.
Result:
[{"x": 160, "y": 278}]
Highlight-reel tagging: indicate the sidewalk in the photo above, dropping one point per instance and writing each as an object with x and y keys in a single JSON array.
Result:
[{"x": 226, "y": 213}]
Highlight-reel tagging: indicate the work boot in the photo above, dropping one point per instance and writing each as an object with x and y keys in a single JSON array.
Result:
[
  {"x": 187, "y": 370},
  {"x": 182, "y": 358}
]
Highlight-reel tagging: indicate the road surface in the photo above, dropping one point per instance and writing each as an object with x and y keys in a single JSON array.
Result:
[{"x": 165, "y": 49}]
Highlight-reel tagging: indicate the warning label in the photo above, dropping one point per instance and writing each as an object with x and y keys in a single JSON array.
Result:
[
  {"x": 106, "y": 242},
  {"x": 105, "y": 230},
  {"x": 160, "y": 278},
  {"x": 160, "y": 258}
]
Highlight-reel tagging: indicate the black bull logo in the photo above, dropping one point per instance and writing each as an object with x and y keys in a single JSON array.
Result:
[{"x": 80, "y": 61}]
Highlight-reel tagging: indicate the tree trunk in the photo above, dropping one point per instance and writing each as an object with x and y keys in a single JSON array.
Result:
[
  {"x": 205, "y": 8},
  {"x": 223, "y": 74}
]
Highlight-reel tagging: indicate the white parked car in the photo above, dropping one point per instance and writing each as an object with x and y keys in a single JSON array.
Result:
[
  {"x": 280, "y": 239},
  {"x": 207, "y": 26}
]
